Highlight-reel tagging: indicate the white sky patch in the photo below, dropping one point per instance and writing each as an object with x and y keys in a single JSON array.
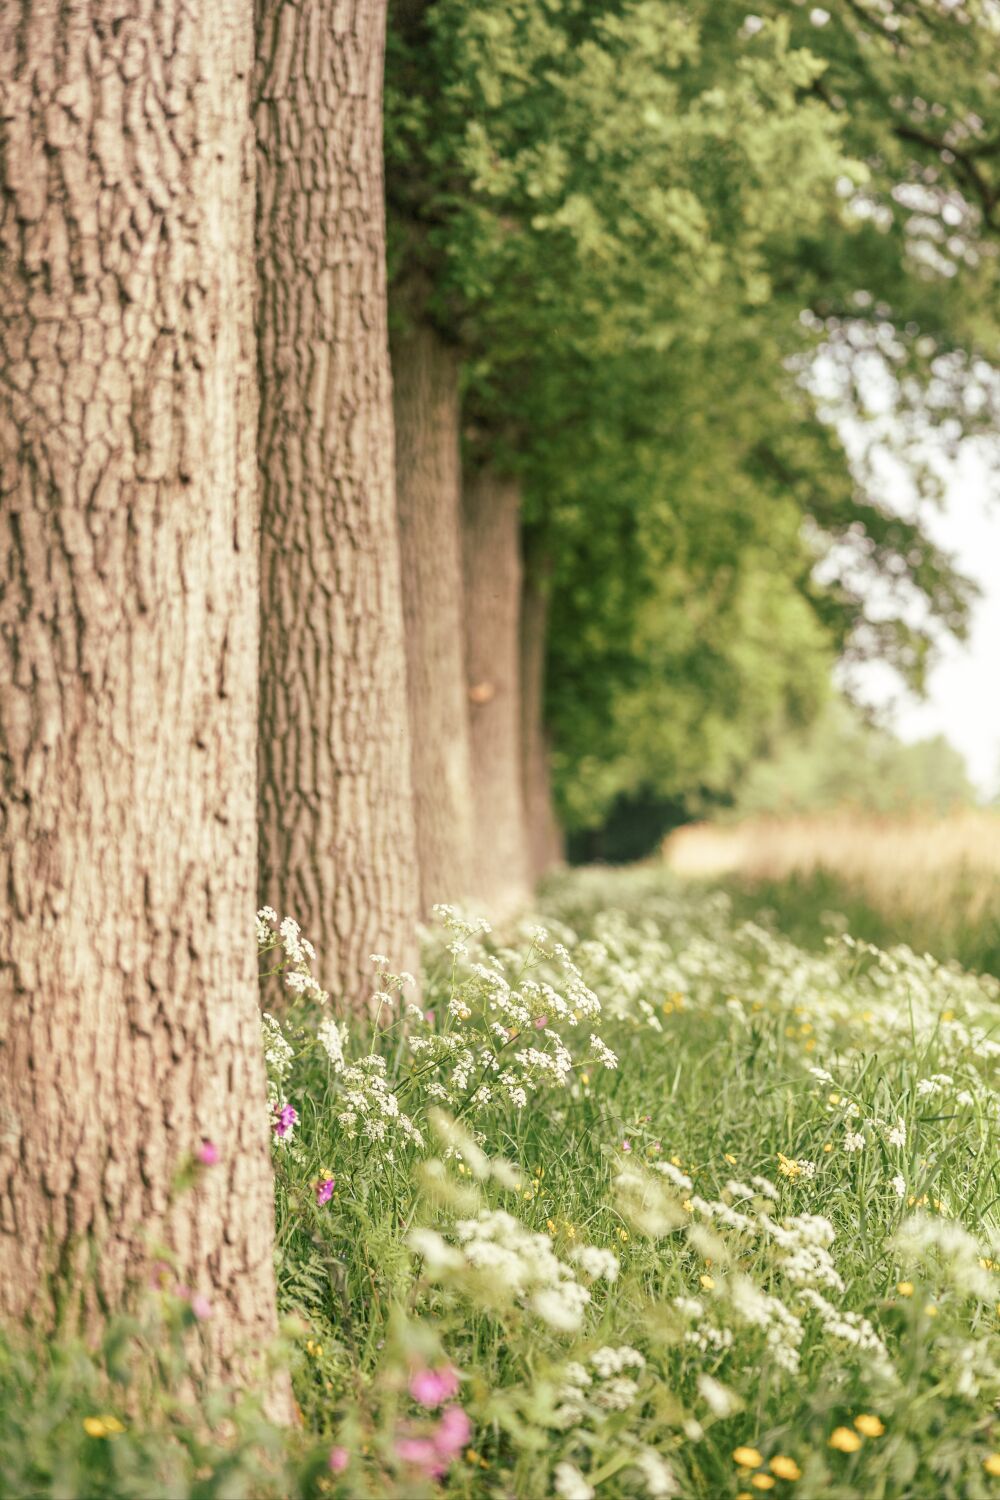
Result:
[{"x": 963, "y": 689}]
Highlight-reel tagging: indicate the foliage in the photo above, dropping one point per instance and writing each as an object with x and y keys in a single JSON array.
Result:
[
  {"x": 131, "y": 1417},
  {"x": 643, "y": 224},
  {"x": 842, "y": 762}
]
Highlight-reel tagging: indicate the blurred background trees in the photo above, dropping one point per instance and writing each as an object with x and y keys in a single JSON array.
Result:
[{"x": 672, "y": 255}]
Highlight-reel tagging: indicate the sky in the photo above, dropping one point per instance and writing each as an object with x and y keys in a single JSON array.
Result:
[{"x": 963, "y": 699}]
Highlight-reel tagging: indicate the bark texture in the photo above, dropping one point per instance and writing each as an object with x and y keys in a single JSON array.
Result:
[
  {"x": 128, "y": 645},
  {"x": 492, "y": 567},
  {"x": 428, "y": 495},
  {"x": 544, "y": 836},
  {"x": 338, "y": 845}
]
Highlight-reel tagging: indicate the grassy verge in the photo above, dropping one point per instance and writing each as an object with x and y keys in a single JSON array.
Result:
[{"x": 646, "y": 1201}]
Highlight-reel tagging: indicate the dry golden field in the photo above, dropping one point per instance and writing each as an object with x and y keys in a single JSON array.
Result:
[{"x": 922, "y": 873}]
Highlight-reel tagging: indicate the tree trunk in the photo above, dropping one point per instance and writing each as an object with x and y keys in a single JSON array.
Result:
[
  {"x": 545, "y": 841},
  {"x": 492, "y": 566},
  {"x": 428, "y": 492},
  {"x": 128, "y": 649},
  {"x": 338, "y": 846}
]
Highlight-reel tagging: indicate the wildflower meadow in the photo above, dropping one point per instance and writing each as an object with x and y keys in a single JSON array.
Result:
[{"x": 634, "y": 1198}]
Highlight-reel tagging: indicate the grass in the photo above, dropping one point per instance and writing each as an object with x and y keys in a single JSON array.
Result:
[{"x": 768, "y": 1230}]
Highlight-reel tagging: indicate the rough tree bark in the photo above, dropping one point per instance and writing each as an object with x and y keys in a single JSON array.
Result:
[
  {"x": 544, "y": 836},
  {"x": 428, "y": 495},
  {"x": 492, "y": 569},
  {"x": 128, "y": 647},
  {"x": 338, "y": 844}
]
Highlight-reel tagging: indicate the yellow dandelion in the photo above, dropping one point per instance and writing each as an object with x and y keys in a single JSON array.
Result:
[
  {"x": 930, "y": 1310},
  {"x": 730, "y": 1159},
  {"x": 784, "y": 1467},
  {"x": 844, "y": 1440},
  {"x": 947, "y": 1015},
  {"x": 762, "y": 1482},
  {"x": 992, "y": 1463},
  {"x": 904, "y": 1288},
  {"x": 869, "y": 1424},
  {"x": 111, "y": 1423},
  {"x": 828, "y": 1146},
  {"x": 810, "y": 1045},
  {"x": 94, "y": 1427},
  {"x": 707, "y": 1282},
  {"x": 747, "y": 1458},
  {"x": 675, "y": 1161}
]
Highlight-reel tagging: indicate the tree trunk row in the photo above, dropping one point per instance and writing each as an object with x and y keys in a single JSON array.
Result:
[{"x": 145, "y": 594}]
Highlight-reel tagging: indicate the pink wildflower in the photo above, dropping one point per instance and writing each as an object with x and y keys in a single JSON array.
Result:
[
  {"x": 626, "y": 1146},
  {"x": 287, "y": 1117},
  {"x": 422, "y": 1453},
  {"x": 431, "y": 1387},
  {"x": 541, "y": 1022},
  {"x": 339, "y": 1459},
  {"x": 201, "y": 1307},
  {"x": 324, "y": 1190},
  {"x": 208, "y": 1154},
  {"x": 454, "y": 1431},
  {"x": 433, "y": 1454}
]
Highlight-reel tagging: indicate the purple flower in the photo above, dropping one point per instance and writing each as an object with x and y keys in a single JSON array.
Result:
[
  {"x": 431, "y": 1387},
  {"x": 287, "y": 1117},
  {"x": 324, "y": 1190},
  {"x": 339, "y": 1459},
  {"x": 208, "y": 1154}
]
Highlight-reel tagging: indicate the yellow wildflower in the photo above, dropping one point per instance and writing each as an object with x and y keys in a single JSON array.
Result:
[
  {"x": 730, "y": 1159},
  {"x": 112, "y": 1424},
  {"x": 828, "y": 1146},
  {"x": 762, "y": 1482},
  {"x": 747, "y": 1458},
  {"x": 930, "y": 1310},
  {"x": 904, "y": 1288},
  {"x": 992, "y": 1464},
  {"x": 707, "y": 1282},
  {"x": 785, "y": 1468},
  {"x": 870, "y": 1425},
  {"x": 623, "y": 1235},
  {"x": 844, "y": 1440},
  {"x": 787, "y": 1167},
  {"x": 94, "y": 1427}
]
